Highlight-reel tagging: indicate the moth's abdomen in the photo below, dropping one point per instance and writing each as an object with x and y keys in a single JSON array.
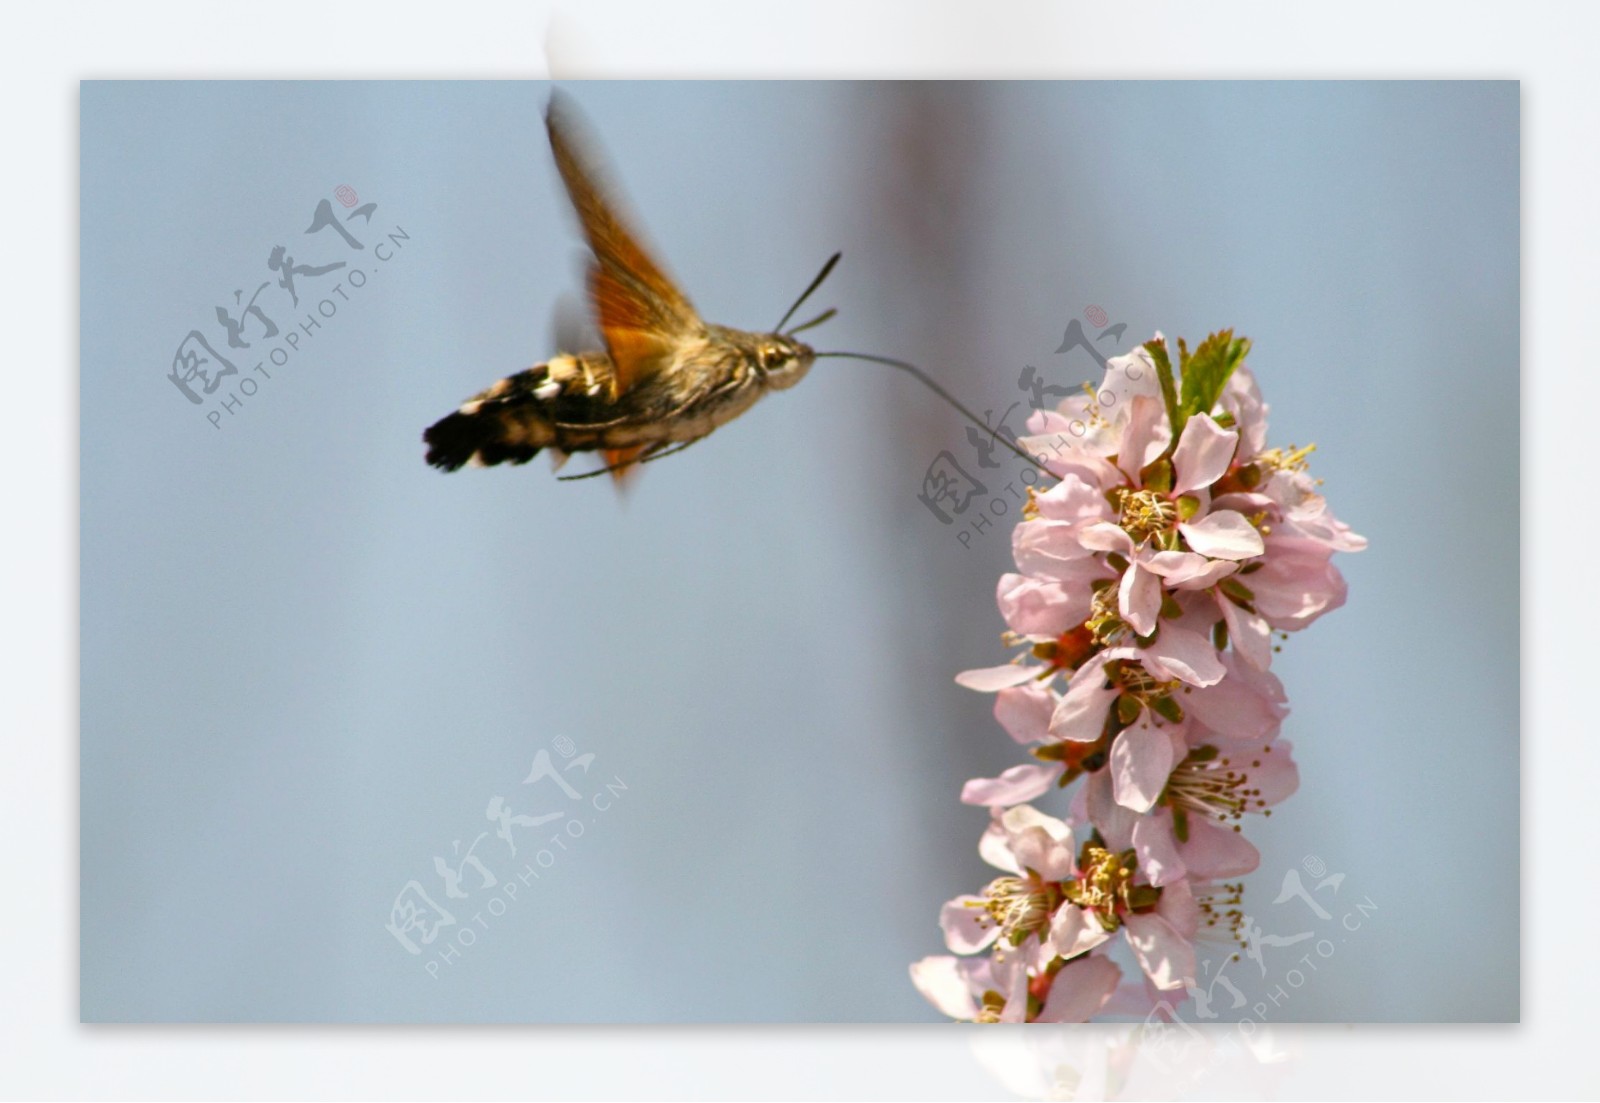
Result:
[{"x": 507, "y": 423}]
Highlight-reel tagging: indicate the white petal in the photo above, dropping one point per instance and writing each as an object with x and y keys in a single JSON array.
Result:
[
  {"x": 991, "y": 679},
  {"x": 967, "y": 926},
  {"x": 1166, "y": 957},
  {"x": 943, "y": 981}
]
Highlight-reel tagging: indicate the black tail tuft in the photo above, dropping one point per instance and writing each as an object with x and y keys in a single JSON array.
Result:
[{"x": 454, "y": 440}]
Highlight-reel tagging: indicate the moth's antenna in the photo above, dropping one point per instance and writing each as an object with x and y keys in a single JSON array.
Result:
[
  {"x": 817, "y": 321},
  {"x": 928, "y": 382},
  {"x": 806, "y": 294}
]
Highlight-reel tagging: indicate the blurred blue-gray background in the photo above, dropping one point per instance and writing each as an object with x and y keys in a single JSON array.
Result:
[{"x": 310, "y": 663}]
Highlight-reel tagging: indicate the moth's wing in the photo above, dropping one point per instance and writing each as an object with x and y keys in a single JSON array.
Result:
[{"x": 642, "y": 315}]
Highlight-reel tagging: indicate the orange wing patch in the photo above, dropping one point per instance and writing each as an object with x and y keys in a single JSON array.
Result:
[
  {"x": 637, "y": 347},
  {"x": 641, "y": 313}
]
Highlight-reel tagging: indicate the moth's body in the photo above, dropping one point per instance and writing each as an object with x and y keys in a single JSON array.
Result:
[
  {"x": 572, "y": 402},
  {"x": 665, "y": 379}
]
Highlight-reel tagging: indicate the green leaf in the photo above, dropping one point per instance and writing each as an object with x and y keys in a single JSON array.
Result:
[
  {"x": 1169, "y": 386},
  {"x": 1206, "y": 372}
]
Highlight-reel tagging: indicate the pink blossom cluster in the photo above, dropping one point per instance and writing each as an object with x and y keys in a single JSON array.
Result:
[{"x": 1151, "y": 582}]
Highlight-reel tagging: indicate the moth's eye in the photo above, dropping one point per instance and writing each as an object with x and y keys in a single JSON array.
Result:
[{"x": 772, "y": 356}]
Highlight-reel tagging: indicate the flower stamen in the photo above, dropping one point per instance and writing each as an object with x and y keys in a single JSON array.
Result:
[
  {"x": 1206, "y": 783},
  {"x": 1145, "y": 514},
  {"x": 1019, "y": 906}
]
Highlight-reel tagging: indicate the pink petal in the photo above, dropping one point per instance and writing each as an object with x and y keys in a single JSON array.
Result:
[
  {"x": 1074, "y": 931},
  {"x": 1033, "y": 607},
  {"x": 1263, "y": 682},
  {"x": 1275, "y": 778},
  {"x": 1141, "y": 761},
  {"x": 1047, "y": 421},
  {"x": 1141, "y": 433},
  {"x": 1139, "y": 598},
  {"x": 1014, "y": 786},
  {"x": 1297, "y": 583},
  {"x": 1183, "y": 654},
  {"x": 1166, "y": 957},
  {"x": 1106, "y": 537},
  {"x": 1249, "y": 633},
  {"x": 1234, "y": 708},
  {"x": 1179, "y": 908},
  {"x": 1024, "y": 712},
  {"x": 1214, "y": 851},
  {"x": 1157, "y": 848},
  {"x": 1175, "y": 567},
  {"x": 1079, "y": 990},
  {"x": 1214, "y": 572},
  {"x": 1223, "y": 534},
  {"x": 988, "y": 679},
  {"x": 1016, "y": 820},
  {"x": 1073, "y": 500},
  {"x": 1245, "y": 502},
  {"x": 1203, "y": 454},
  {"x": 1050, "y": 549},
  {"x": 1115, "y": 823},
  {"x": 1011, "y": 977},
  {"x": 1036, "y": 851},
  {"x": 1080, "y": 715},
  {"x": 967, "y": 926},
  {"x": 943, "y": 981},
  {"x": 1242, "y": 398},
  {"x": 1128, "y": 376},
  {"x": 994, "y": 845},
  {"x": 1134, "y": 1000}
]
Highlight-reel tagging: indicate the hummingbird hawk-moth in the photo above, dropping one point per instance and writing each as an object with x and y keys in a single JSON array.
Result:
[{"x": 664, "y": 379}]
